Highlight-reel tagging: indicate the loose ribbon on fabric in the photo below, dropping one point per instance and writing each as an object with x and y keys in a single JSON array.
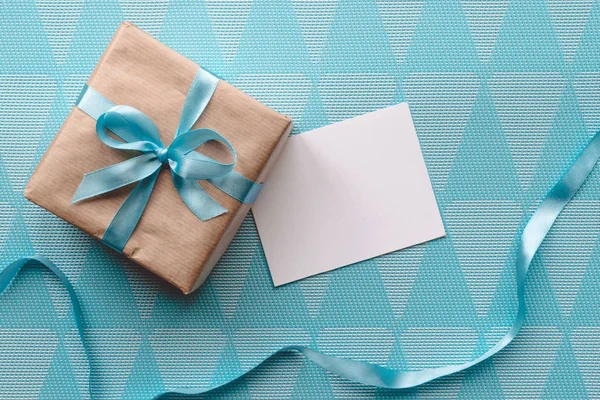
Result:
[
  {"x": 534, "y": 233},
  {"x": 187, "y": 166}
]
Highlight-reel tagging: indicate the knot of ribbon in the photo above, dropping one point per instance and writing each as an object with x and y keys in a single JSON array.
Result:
[
  {"x": 139, "y": 133},
  {"x": 163, "y": 155}
]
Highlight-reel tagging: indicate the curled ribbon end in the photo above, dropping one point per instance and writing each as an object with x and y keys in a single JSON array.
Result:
[
  {"x": 81, "y": 194},
  {"x": 215, "y": 215},
  {"x": 76, "y": 198}
]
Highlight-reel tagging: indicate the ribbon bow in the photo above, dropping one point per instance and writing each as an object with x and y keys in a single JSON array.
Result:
[{"x": 187, "y": 166}]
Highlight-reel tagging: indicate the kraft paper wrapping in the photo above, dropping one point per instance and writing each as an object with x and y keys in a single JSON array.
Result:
[{"x": 139, "y": 71}]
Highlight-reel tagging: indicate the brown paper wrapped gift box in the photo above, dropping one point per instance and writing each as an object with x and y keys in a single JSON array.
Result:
[{"x": 139, "y": 71}]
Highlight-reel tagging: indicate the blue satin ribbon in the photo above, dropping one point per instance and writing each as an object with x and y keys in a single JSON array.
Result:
[
  {"x": 534, "y": 233},
  {"x": 187, "y": 166}
]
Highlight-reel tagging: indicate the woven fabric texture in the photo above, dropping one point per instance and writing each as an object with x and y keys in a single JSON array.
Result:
[{"x": 504, "y": 96}]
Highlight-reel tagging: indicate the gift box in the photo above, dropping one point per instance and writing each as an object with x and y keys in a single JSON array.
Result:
[{"x": 138, "y": 71}]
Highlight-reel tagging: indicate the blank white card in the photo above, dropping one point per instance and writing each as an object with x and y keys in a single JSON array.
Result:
[{"x": 345, "y": 193}]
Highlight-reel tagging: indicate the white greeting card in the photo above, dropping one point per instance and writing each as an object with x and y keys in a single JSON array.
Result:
[{"x": 345, "y": 193}]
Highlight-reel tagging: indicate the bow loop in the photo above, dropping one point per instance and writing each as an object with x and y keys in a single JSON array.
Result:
[
  {"x": 133, "y": 126},
  {"x": 139, "y": 133},
  {"x": 190, "y": 164}
]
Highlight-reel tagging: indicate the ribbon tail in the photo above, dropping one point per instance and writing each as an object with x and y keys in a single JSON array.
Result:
[
  {"x": 238, "y": 186},
  {"x": 116, "y": 176},
  {"x": 533, "y": 235},
  {"x": 9, "y": 273},
  {"x": 195, "y": 197},
  {"x": 123, "y": 224}
]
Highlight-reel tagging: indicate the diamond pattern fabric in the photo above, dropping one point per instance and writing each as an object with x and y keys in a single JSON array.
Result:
[{"x": 504, "y": 95}]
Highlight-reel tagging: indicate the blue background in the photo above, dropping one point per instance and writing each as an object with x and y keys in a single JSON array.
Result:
[{"x": 504, "y": 96}]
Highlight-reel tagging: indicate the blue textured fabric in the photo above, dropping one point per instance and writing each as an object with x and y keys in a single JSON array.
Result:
[{"x": 504, "y": 95}]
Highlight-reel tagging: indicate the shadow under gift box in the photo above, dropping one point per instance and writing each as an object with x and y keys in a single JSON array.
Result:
[{"x": 138, "y": 71}]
